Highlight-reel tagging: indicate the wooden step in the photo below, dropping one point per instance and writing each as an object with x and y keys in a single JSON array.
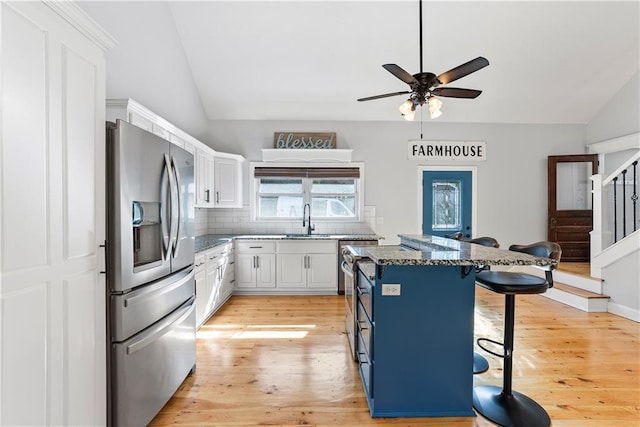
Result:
[
  {"x": 577, "y": 291},
  {"x": 584, "y": 300}
]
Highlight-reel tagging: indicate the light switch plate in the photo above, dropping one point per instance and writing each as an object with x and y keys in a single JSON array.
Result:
[{"x": 391, "y": 289}]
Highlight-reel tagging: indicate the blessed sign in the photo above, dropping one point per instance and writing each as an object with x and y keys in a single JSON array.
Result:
[
  {"x": 448, "y": 150},
  {"x": 289, "y": 140}
]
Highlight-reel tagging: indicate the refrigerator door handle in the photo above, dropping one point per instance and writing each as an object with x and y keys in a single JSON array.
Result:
[
  {"x": 172, "y": 205},
  {"x": 152, "y": 291},
  {"x": 177, "y": 203},
  {"x": 164, "y": 215},
  {"x": 161, "y": 328}
]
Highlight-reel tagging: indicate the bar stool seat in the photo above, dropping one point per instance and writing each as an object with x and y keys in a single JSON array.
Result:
[{"x": 502, "y": 405}]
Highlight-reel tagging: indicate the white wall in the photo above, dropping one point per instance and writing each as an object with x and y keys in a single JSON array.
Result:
[
  {"x": 621, "y": 284},
  {"x": 512, "y": 183},
  {"x": 148, "y": 63},
  {"x": 619, "y": 116}
]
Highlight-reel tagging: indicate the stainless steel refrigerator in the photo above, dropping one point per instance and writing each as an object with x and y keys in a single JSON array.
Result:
[{"x": 150, "y": 277}]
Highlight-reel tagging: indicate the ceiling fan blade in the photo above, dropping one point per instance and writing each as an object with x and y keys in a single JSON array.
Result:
[
  {"x": 400, "y": 73},
  {"x": 386, "y": 95},
  {"x": 454, "y": 92},
  {"x": 463, "y": 70}
]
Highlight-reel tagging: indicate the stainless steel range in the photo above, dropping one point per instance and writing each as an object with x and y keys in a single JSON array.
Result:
[{"x": 353, "y": 260}]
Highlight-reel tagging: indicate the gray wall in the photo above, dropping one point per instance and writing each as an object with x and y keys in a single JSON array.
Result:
[
  {"x": 148, "y": 63},
  {"x": 512, "y": 183}
]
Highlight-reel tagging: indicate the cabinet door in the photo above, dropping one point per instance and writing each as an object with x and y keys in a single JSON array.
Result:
[
  {"x": 52, "y": 181},
  {"x": 292, "y": 270},
  {"x": 322, "y": 271},
  {"x": 226, "y": 172},
  {"x": 245, "y": 270},
  {"x": 228, "y": 282},
  {"x": 201, "y": 298},
  {"x": 211, "y": 287},
  {"x": 204, "y": 179},
  {"x": 266, "y": 271}
]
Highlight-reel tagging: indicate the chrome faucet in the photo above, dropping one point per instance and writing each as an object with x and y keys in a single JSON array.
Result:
[{"x": 306, "y": 220}]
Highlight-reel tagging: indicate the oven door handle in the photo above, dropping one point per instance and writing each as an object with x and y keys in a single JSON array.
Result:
[{"x": 346, "y": 269}]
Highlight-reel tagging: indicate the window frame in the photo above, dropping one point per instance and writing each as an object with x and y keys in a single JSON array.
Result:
[{"x": 307, "y": 195}]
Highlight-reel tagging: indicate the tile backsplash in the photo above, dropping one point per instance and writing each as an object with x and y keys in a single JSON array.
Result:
[{"x": 238, "y": 221}]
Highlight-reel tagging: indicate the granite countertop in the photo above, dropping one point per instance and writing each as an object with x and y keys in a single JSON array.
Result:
[
  {"x": 442, "y": 251},
  {"x": 209, "y": 241}
]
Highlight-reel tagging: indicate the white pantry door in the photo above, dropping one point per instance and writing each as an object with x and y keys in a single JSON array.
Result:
[{"x": 52, "y": 296}]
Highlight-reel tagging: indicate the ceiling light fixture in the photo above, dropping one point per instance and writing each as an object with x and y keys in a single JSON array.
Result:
[{"x": 425, "y": 86}]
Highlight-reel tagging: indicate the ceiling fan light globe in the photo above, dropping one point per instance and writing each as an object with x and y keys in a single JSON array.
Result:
[
  {"x": 434, "y": 104},
  {"x": 410, "y": 116},
  {"x": 406, "y": 107},
  {"x": 435, "y": 113}
]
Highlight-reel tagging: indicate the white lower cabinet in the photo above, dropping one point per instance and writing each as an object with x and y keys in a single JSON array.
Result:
[
  {"x": 201, "y": 288},
  {"x": 215, "y": 280},
  {"x": 255, "y": 265},
  {"x": 307, "y": 266}
]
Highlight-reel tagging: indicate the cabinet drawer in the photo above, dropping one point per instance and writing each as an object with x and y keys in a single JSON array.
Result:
[
  {"x": 365, "y": 331},
  {"x": 308, "y": 247},
  {"x": 199, "y": 260},
  {"x": 218, "y": 255},
  {"x": 365, "y": 291},
  {"x": 256, "y": 246},
  {"x": 365, "y": 368}
]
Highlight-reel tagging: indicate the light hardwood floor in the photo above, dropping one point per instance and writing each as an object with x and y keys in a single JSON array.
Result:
[{"x": 284, "y": 361}]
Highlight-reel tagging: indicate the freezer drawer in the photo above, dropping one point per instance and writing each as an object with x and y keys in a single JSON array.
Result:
[
  {"x": 136, "y": 310},
  {"x": 149, "y": 367}
]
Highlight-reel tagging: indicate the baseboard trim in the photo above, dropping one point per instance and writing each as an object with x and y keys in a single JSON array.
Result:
[{"x": 623, "y": 311}]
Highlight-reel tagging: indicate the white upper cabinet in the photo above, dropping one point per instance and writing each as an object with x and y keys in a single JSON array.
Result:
[
  {"x": 204, "y": 179},
  {"x": 218, "y": 176},
  {"x": 228, "y": 181}
]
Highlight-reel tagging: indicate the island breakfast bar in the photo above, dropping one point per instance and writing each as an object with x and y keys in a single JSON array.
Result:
[{"x": 414, "y": 316}]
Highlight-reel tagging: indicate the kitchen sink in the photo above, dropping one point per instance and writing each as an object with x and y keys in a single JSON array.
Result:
[{"x": 305, "y": 236}]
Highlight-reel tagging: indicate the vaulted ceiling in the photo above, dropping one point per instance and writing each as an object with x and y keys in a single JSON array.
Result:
[{"x": 551, "y": 62}]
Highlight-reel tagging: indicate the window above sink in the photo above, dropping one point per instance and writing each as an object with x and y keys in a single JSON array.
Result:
[{"x": 280, "y": 193}]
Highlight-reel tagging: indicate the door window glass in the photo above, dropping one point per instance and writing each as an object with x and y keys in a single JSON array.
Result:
[
  {"x": 573, "y": 186},
  {"x": 446, "y": 205}
]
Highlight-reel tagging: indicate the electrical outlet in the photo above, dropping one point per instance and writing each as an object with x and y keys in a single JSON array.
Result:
[
  {"x": 391, "y": 289},
  {"x": 380, "y": 220}
]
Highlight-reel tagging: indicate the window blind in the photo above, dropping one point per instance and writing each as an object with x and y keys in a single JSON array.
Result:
[{"x": 275, "y": 172}]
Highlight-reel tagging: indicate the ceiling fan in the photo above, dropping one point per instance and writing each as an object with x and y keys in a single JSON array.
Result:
[{"x": 426, "y": 86}]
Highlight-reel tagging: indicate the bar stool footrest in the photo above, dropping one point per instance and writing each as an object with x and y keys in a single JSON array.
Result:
[
  {"x": 480, "y": 341},
  {"x": 513, "y": 410}
]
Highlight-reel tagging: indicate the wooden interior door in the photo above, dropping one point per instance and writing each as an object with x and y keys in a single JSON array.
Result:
[{"x": 570, "y": 215}]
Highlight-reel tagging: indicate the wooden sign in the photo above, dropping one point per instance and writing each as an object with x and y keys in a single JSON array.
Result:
[
  {"x": 317, "y": 140},
  {"x": 447, "y": 150}
]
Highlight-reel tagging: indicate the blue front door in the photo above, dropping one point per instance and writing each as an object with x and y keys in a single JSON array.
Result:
[{"x": 446, "y": 203}]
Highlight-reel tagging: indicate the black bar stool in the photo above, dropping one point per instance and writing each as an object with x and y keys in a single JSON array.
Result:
[
  {"x": 504, "y": 406},
  {"x": 480, "y": 363}
]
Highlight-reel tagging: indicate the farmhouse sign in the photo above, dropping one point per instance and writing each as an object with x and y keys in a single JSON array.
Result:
[
  {"x": 289, "y": 140},
  {"x": 447, "y": 150}
]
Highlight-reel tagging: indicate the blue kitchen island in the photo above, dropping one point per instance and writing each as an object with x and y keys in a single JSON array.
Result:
[{"x": 415, "y": 313}]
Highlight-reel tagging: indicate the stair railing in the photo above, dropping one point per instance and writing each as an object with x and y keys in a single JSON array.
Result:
[{"x": 618, "y": 220}]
